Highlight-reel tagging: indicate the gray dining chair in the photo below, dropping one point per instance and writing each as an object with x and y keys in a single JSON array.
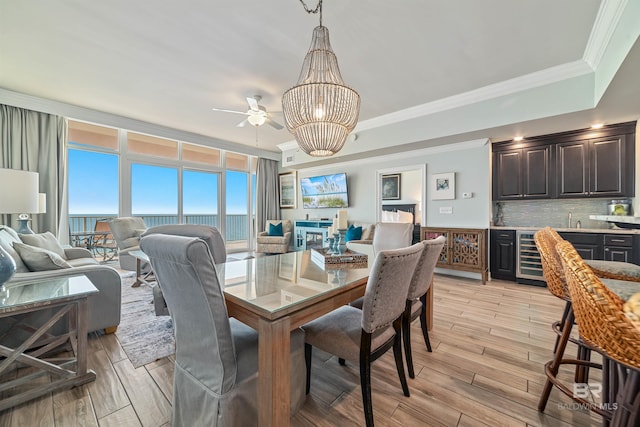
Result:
[
  {"x": 362, "y": 336},
  {"x": 416, "y": 305},
  {"x": 215, "y": 379},
  {"x": 210, "y": 235}
]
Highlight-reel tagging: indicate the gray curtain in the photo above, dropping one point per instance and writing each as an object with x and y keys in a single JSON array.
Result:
[
  {"x": 267, "y": 197},
  {"x": 36, "y": 142}
]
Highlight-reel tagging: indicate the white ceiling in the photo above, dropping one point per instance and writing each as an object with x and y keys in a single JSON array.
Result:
[{"x": 428, "y": 71}]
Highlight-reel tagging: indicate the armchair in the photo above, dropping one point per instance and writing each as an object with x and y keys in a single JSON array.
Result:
[
  {"x": 275, "y": 244},
  {"x": 127, "y": 232}
]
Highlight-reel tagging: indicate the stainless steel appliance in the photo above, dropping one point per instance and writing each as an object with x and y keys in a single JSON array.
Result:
[{"x": 528, "y": 264}]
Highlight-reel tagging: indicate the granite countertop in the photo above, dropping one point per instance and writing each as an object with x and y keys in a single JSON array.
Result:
[{"x": 573, "y": 230}]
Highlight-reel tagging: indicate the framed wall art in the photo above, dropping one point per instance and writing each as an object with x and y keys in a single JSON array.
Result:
[
  {"x": 443, "y": 186},
  {"x": 287, "y": 190},
  {"x": 391, "y": 187}
]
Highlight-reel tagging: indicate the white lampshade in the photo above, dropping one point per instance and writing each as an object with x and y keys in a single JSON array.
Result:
[
  {"x": 42, "y": 203},
  {"x": 257, "y": 120},
  {"x": 18, "y": 191}
]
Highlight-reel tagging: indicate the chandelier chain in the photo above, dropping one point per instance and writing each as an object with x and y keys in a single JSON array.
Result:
[{"x": 314, "y": 11}]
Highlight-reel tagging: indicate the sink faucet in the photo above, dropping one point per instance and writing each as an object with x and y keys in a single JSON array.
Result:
[{"x": 570, "y": 219}]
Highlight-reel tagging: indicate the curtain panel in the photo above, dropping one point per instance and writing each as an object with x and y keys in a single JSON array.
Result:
[
  {"x": 36, "y": 142},
  {"x": 267, "y": 200}
]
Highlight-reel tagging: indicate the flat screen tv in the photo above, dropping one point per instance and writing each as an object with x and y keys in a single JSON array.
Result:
[{"x": 326, "y": 191}]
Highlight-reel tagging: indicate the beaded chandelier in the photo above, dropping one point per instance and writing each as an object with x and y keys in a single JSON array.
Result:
[{"x": 320, "y": 110}]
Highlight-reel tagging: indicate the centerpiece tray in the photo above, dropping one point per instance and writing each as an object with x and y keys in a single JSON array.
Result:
[{"x": 349, "y": 259}]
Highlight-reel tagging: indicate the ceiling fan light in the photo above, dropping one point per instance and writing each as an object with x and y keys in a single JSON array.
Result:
[
  {"x": 320, "y": 110},
  {"x": 257, "y": 120}
]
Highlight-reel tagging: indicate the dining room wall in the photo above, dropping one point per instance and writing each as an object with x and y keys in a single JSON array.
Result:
[{"x": 469, "y": 160}]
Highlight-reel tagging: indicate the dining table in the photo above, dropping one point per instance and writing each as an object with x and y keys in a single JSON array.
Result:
[{"x": 276, "y": 294}]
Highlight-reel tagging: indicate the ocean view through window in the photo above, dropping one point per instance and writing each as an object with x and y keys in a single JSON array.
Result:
[{"x": 105, "y": 181}]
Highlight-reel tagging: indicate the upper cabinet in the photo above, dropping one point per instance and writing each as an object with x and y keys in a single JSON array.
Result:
[
  {"x": 522, "y": 173},
  {"x": 585, "y": 163}
]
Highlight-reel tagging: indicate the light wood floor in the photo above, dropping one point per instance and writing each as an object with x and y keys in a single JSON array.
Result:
[{"x": 490, "y": 344}]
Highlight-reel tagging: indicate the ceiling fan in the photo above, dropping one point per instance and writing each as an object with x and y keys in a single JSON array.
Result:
[{"x": 258, "y": 114}]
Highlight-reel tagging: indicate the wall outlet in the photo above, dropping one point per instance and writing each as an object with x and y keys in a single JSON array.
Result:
[
  {"x": 467, "y": 195},
  {"x": 446, "y": 210}
]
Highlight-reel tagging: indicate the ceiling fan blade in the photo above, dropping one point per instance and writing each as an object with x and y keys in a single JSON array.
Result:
[
  {"x": 253, "y": 104},
  {"x": 242, "y": 123},
  {"x": 273, "y": 124},
  {"x": 230, "y": 111}
]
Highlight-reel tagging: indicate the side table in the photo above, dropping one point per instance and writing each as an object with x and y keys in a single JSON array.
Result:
[{"x": 62, "y": 296}]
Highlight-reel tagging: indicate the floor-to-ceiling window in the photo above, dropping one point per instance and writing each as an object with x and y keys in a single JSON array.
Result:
[
  {"x": 200, "y": 197},
  {"x": 154, "y": 194},
  {"x": 165, "y": 181},
  {"x": 93, "y": 164}
]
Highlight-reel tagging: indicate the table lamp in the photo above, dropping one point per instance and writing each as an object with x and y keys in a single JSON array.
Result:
[
  {"x": 23, "y": 218},
  {"x": 18, "y": 194}
]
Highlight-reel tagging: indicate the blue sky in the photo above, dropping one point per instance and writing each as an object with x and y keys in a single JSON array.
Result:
[{"x": 93, "y": 188}]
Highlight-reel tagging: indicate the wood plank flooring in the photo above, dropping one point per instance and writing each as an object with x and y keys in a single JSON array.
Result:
[{"x": 489, "y": 342}]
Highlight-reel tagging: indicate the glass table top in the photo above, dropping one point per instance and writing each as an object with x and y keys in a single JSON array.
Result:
[
  {"x": 277, "y": 282},
  {"x": 32, "y": 292}
]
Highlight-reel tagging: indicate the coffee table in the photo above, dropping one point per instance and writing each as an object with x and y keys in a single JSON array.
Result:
[{"x": 62, "y": 296}]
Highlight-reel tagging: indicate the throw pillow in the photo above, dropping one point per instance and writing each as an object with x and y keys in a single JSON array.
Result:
[
  {"x": 353, "y": 233},
  {"x": 39, "y": 259},
  {"x": 45, "y": 241},
  {"x": 275, "y": 230}
]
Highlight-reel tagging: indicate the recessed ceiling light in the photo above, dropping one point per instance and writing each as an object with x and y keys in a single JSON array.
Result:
[
  {"x": 518, "y": 138},
  {"x": 597, "y": 125}
]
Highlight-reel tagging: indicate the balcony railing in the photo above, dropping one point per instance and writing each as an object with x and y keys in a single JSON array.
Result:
[{"x": 236, "y": 226}]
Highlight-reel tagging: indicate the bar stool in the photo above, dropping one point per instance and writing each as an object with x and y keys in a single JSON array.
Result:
[{"x": 604, "y": 326}]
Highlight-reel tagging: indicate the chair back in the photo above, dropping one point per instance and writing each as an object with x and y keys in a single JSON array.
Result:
[
  {"x": 386, "y": 293},
  {"x": 392, "y": 235},
  {"x": 210, "y": 235},
  {"x": 190, "y": 285},
  {"x": 598, "y": 311},
  {"x": 421, "y": 280},
  {"x": 546, "y": 240},
  {"x": 127, "y": 231}
]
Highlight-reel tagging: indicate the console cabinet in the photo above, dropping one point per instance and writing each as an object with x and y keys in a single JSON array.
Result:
[
  {"x": 465, "y": 248},
  {"x": 575, "y": 164}
]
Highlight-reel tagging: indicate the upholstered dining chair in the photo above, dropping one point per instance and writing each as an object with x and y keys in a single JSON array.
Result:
[
  {"x": 603, "y": 326},
  {"x": 215, "y": 374},
  {"x": 210, "y": 235},
  {"x": 416, "y": 304},
  {"x": 362, "y": 336}
]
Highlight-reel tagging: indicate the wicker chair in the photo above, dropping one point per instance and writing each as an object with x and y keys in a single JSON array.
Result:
[
  {"x": 604, "y": 326},
  {"x": 546, "y": 241}
]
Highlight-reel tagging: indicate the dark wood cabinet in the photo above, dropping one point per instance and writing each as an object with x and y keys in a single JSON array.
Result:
[
  {"x": 588, "y": 245},
  {"x": 583, "y": 163},
  {"x": 618, "y": 248},
  {"x": 593, "y": 168},
  {"x": 522, "y": 173},
  {"x": 503, "y": 254}
]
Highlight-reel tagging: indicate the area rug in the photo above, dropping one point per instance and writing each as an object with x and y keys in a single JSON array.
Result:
[{"x": 144, "y": 336}]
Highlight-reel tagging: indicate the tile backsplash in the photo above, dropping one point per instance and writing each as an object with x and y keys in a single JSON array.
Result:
[{"x": 553, "y": 213}]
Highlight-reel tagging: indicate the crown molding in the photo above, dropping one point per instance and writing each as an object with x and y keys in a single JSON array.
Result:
[
  {"x": 605, "y": 25},
  {"x": 465, "y": 145},
  {"x": 518, "y": 84},
  {"x": 84, "y": 114}
]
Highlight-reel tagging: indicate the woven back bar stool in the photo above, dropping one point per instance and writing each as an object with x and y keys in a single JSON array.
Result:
[
  {"x": 546, "y": 241},
  {"x": 603, "y": 326}
]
